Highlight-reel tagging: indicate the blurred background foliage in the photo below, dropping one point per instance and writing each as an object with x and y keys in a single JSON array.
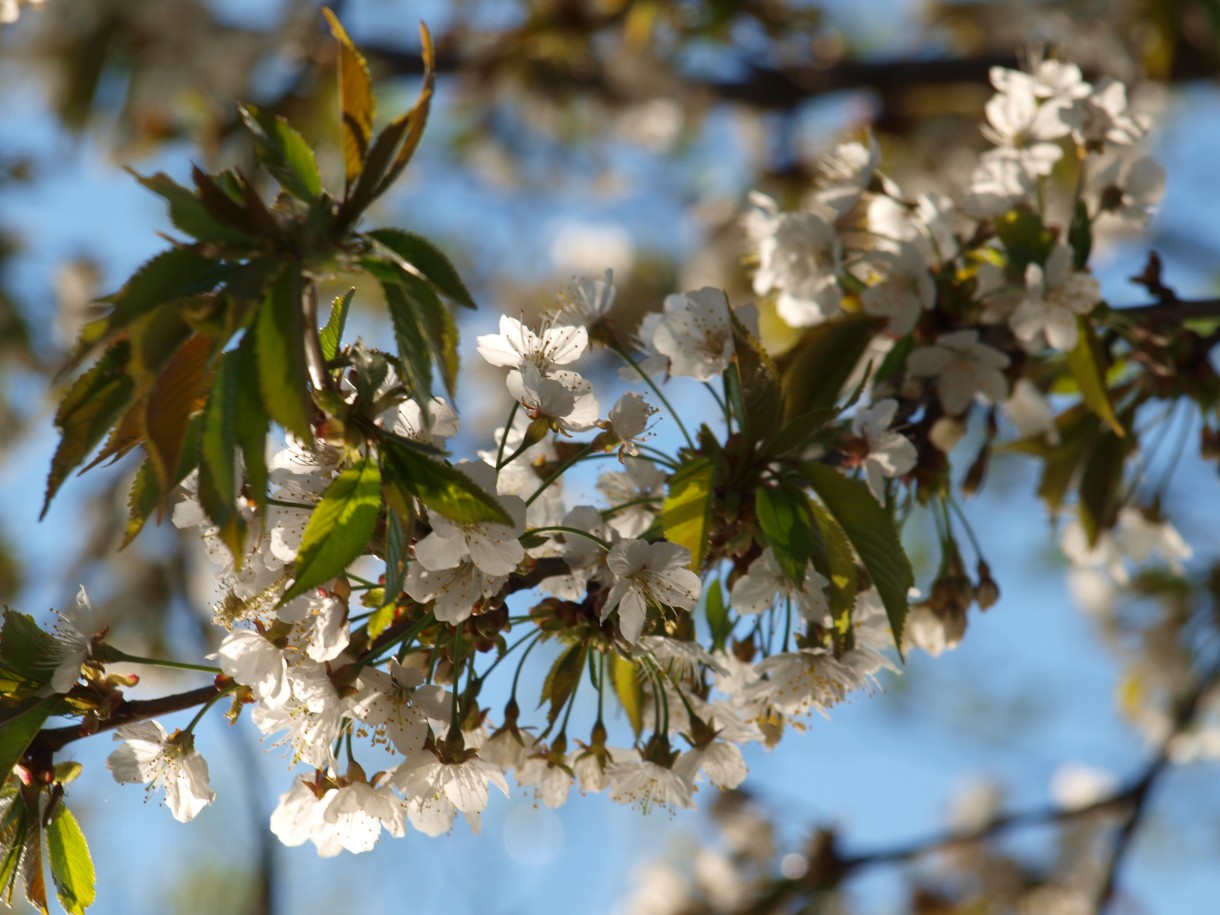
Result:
[{"x": 567, "y": 136}]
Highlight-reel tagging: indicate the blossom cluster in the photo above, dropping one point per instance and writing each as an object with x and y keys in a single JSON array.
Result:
[{"x": 714, "y": 590}]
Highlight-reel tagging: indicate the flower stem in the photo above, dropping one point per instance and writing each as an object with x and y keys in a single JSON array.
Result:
[
  {"x": 559, "y": 528},
  {"x": 116, "y": 655}
]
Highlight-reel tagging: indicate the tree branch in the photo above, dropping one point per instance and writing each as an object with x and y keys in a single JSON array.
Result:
[{"x": 54, "y": 739}]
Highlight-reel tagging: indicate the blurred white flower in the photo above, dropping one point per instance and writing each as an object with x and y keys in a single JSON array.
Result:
[
  {"x": 800, "y": 256},
  {"x": 1054, "y": 296},
  {"x": 964, "y": 369}
]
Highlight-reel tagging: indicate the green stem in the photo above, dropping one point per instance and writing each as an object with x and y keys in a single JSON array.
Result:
[
  {"x": 117, "y": 655},
  {"x": 299, "y": 506},
  {"x": 559, "y": 528},
  {"x": 190, "y": 728},
  {"x": 559, "y": 472},
  {"x": 656, "y": 390},
  {"x": 508, "y": 427}
]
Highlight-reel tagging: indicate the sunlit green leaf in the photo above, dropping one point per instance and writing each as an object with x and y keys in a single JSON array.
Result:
[
  {"x": 332, "y": 333},
  {"x": 785, "y": 518},
  {"x": 630, "y": 691},
  {"x": 427, "y": 259},
  {"x": 356, "y": 92},
  {"x": 280, "y": 342},
  {"x": 834, "y": 559},
  {"x": 1087, "y": 362},
  {"x": 283, "y": 152},
  {"x": 339, "y": 527},
  {"x": 71, "y": 864},
  {"x": 686, "y": 512},
  {"x": 562, "y": 679}
]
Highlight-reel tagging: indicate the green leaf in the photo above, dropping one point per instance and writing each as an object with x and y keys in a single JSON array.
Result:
[
  {"x": 416, "y": 253},
  {"x": 71, "y": 864},
  {"x": 629, "y": 690},
  {"x": 1078, "y": 431},
  {"x": 381, "y": 619},
  {"x": 409, "y": 335},
  {"x": 145, "y": 495},
  {"x": 180, "y": 392},
  {"x": 24, "y": 650},
  {"x": 822, "y": 363},
  {"x": 563, "y": 678},
  {"x": 172, "y": 275},
  {"x": 218, "y": 479},
  {"x": 758, "y": 399},
  {"x": 786, "y": 519},
  {"x": 717, "y": 614},
  {"x": 333, "y": 331},
  {"x": 18, "y": 729},
  {"x": 687, "y": 510},
  {"x": 339, "y": 527},
  {"x": 436, "y": 320},
  {"x": 93, "y": 404},
  {"x": 417, "y": 117},
  {"x": 32, "y": 869},
  {"x": 1080, "y": 235},
  {"x": 251, "y": 421},
  {"x": 872, "y": 535},
  {"x": 442, "y": 488},
  {"x": 13, "y": 834},
  {"x": 1100, "y": 484},
  {"x": 283, "y": 153},
  {"x": 188, "y": 214},
  {"x": 280, "y": 341},
  {"x": 1025, "y": 238},
  {"x": 356, "y": 92},
  {"x": 833, "y": 558},
  {"x": 396, "y": 542},
  {"x": 1088, "y": 365}
]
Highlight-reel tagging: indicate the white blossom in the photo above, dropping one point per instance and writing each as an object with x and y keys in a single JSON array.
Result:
[
  {"x": 695, "y": 333},
  {"x": 964, "y": 369},
  {"x": 1130, "y": 188},
  {"x": 70, "y": 646},
  {"x": 648, "y": 573},
  {"x": 1054, "y": 296},
  {"x": 890, "y": 454},
  {"x": 493, "y": 547},
  {"x": 160, "y": 760},
  {"x": 638, "y": 488},
  {"x": 629, "y": 419},
  {"x": 588, "y": 302},
  {"x": 800, "y": 256},
  {"x": 645, "y": 785},
  {"x": 517, "y": 344},
  {"x": 765, "y": 583},
  {"x": 463, "y": 784},
  {"x": 901, "y": 287}
]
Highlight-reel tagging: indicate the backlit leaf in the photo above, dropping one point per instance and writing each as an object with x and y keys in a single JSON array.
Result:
[
  {"x": 1087, "y": 362},
  {"x": 356, "y": 92},
  {"x": 785, "y": 517},
  {"x": 339, "y": 527},
  {"x": 427, "y": 259},
  {"x": 283, "y": 153},
  {"x": 280, "y": 342},
  {"x": 71, "y": 864},
  {"x": 331, "y": 334},
  {"x": 686, "y": 512},
  {"x": 442, "y": 488},
  {"x": 822, "y": 363}
]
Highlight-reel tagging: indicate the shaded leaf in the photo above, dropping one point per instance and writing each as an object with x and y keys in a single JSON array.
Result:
[
  {"x": 19, "y": 728},
  {"x": 833, "y": 558},
  {"x": 442, "y": 488},
  {"x": 179, "y": 393},
  {"x": 339, "y": 527},
  {"x": 188, "y": 214},
  {"x": 787, "y": 521},
  {"x": 562, "y": 679},
  {"x": 687, "y": 509},
  {"x": 872, "y": 535},
  {"x": 417, "y": 253},
  {"x": 1088, "y": 365},
  {"x": 145, "y": 495},
  {"x": 251, "y": 422},
  {"x": 822, "y": 363},
  {"x": 717, "y": 614},
  {"x": 174, "y": 274},
  {"x": 629, "y": 689}
]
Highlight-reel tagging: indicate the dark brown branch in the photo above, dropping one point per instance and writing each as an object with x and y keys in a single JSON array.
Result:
[
  {"x": 55, "y": 739},
  {"x": 1201, "y": 309}
]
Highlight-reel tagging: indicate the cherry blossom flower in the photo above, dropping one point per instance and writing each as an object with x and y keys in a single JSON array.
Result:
[
  {"x": 252, "y": 660},
  {"x": 645, "y": 785},
  {"x": 347, "y": 818},
  {"x": 890, "y": 454},
  {"x": 648, "y": 573},
  {"x": 162, "y": 760},
  {"x": 964, "y": 369},
  {"x": 1025, "y": 126},
  {"x": 846, "y": 173},
  {"x": 695, "y": 333},
  {"x": 1103, "y": 117},
  {"x": 1054, "y": 296},
  {"x": 800, "y": 256},
  {"x": 634, "y": 488},
  {"x": 903, "y": 288},
  {"x": 455, "y": 591},
  {"x": 463, "y": 784},
  {"x": 1028, "y": 409},
  {"x": 515, "y": 345},
  {"x": 588, "y": 302},
  {"x": 563, "y": 398},
  {"x": 628, "y": 421},
  {"x": 720, "y": 763},
  {"x": 494, "y": 548},
  {"x": 399, "y": 705},
  {"x": 1130, "y": 189},
  {"x": 999, "y": 183},
  {"x": 765, "y": 583},
  {"x": 441, "y": 423},
  {"x": 71, "y": 645}
]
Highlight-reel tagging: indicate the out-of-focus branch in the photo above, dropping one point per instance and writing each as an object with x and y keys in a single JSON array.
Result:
[{"x": 1131, "y": 801}]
